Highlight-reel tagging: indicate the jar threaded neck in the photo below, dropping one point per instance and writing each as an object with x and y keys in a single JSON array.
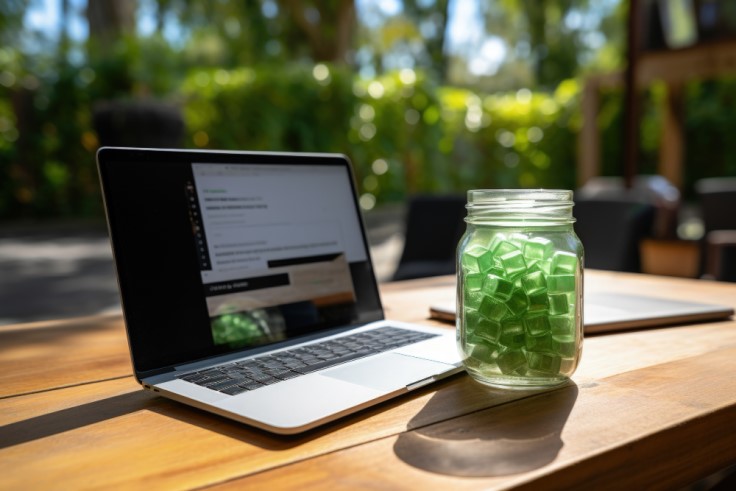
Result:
[{"x": 512, "y": 206}]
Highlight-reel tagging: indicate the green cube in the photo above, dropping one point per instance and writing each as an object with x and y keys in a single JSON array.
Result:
[
  {"x": 512, "y": 334},
  {"x": 560, "y": 325},
  {"x": 472, "y": 299},
  {"x": 534, "y": 283},
  {"x": 472, "y": 318},
  {"x": 518, "y": 303},
  {"x": 518, "y": 239},
  {"x": 564, "y": 262},
  {"x": 538, "y": 248},
  {"x": 497, "y": 287},
  {"x": 480, "y": 354},
  {"x": 565, "y": 346},
  {"x": 513, "y": 263},
  {"x": 544, "y": 362},
  {"x": 540, "y": 343},
  {"x": 495, "y": 241},
  {"x": 537, "y": 325},
  {"x": 477, "y": 259},
  {"x": 488, "y": 330},
  {"x": 492, "y": 309},
  {"x": 558, "y": 304},
  {"x": 474, "y": 281},
  {"x": 512, "y": 362},
  {"x": 504, "y": 247},
  {"x": 538, "y": 303},
  {"x": 561, "y": 283}
]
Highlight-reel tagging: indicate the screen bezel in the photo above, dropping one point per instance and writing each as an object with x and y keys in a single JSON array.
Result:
[{"x": 117, "y": 168}]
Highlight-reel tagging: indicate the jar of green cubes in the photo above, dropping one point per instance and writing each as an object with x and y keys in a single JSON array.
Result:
[{"x": 520, "y": 288}]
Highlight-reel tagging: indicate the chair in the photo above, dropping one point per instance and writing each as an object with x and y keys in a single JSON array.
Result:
[
  {"x": 717, "y": 197},
  {"x": 653, "y": 189},
  {"x": 611, "y": 230},
  {"x": 434, "y": 226},
  {"x": 138, "y": 124}
]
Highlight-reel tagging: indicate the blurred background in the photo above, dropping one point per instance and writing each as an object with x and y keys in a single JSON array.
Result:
[{"x": 632, "y": 103}]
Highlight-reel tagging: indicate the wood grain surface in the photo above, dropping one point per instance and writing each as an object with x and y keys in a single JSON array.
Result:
[{"x": 648, "y": 409}]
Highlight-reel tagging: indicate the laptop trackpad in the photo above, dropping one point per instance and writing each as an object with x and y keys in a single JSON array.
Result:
[{"x": 389, "y": 371}]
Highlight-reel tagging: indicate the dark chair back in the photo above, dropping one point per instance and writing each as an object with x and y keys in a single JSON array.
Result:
[
  {"x": 434, "y": 226},
  {"x": 718, "y": 202},
  {"x": 611, "y": 231},
  {"x": 148, "y": 124},
  {"x": 717, "y": 196}
]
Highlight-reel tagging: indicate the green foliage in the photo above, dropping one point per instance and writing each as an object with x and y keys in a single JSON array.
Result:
[
  {"x": 46, "y": 145},
  {"x": 709, "y": 128},
  {"x": 403, "y": 134}
]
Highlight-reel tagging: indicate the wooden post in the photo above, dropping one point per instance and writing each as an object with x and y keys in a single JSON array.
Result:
[
  {"x": 632, "y": 96},
  {"x": 672, "y": 145}
]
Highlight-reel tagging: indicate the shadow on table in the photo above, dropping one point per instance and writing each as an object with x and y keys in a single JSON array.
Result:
[
  {"x": 516, "y": 437},
  {"x": 72, "y": 418},
  {"x": 90, "y": 413}
]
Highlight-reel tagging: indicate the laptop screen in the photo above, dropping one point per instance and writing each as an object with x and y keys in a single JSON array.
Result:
[{"x": 219, "y": 252}]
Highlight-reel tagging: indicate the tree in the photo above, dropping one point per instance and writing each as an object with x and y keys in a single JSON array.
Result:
[{"x": 326, "y": 25}]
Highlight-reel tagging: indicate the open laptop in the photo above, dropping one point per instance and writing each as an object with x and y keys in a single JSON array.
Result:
[{"x": 248, "y": 289}]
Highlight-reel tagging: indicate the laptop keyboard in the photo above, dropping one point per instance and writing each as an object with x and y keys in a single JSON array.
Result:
[{"x": 242, "y": 376}]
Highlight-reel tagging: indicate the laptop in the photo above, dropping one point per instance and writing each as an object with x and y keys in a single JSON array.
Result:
[
  {"x": 612, "y": 311},
  {"x": 248, "y": 290}
]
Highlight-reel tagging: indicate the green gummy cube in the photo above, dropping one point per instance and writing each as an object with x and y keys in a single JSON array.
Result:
[
  {"x": 495, "y": 241},
  {"x": 565, "y": 345},
  {"x": 537, "y": 325},
  {"x": 543, "y": 342},
  {"x": 488, "y": 330},
  {"x": 544, "y": 362},
  {"x": 538, "y": 248},
  {"x": 504, "y": 247},
  {"x": 472, "y": 299},
  {"x": 512, "y": 334},
  {"x": 534, "y": 283},
  {"x": 513, "y": 263},
  {"x": 497, "y": 287},
  {"x": 518, "y": 303},
  {"x": 490, "y": 308},
  {"x": 560, "y": 325},
  {"x": 472, "y": 318},
  {"x": 477, "y": 259},
  {"x": 512, "y": 361},
  {"x": 484, "y": 238},
  {"x": 538, "y": 303},
  {"x": 561, "y": 283},
  {"x": 479, "y": 354},
  {"x": 564, "y": 262},
  {"x": 518, "y": 239},
  {"x": 558, "y": 304},
  {"x": 474, "y": 281}
]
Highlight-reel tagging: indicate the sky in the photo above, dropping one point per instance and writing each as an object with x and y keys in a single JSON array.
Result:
[
  {"x": 466, "y": 36},
  {"x": 465, "y": 26}
]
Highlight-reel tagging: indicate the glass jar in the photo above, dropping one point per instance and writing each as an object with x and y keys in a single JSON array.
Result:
[{"x": 520, "y": 288}]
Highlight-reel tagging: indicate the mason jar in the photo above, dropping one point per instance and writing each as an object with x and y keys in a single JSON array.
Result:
[{"x": 520, "y": 288}]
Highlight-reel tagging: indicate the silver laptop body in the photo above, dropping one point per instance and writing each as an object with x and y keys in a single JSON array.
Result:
[{"x": 248, "y": 289}]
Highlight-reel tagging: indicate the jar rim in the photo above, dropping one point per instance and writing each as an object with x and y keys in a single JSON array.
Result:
[
  {"x": 511, "y": 206},
  {"x": 538, "y": 195}
]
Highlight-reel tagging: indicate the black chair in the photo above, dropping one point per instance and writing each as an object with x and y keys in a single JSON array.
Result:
[
  {"x": 144, "y": 123},
  {"x": 717, "y": 196},
  {"x": 654, "y": 189},
  {"x": 611, "y": 230},
  {"x": 434, "y": 226}
]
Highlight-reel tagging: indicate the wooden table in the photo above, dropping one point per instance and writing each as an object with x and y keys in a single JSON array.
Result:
[{"x": 647, "y": 409}]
